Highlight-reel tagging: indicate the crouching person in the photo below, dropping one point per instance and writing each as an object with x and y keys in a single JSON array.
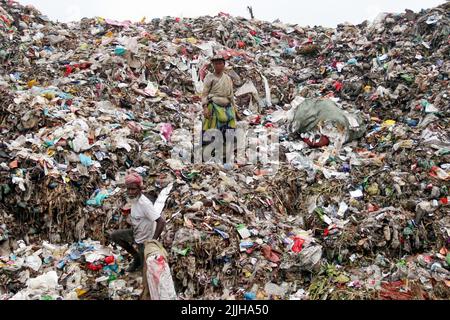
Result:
[{"x": 147, "y": 223}]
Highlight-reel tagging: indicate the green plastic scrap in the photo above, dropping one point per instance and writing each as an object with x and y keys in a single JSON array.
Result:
[
  {"x": 48, "y": 144},
  {"x": 112, "y": 277},
  {"x": 98, "y": 199},
  {"x": 183, "y": 252},
  {"x": 389, "y": 192},
  {"x": 221, "y": 202},
  {"x": 189, "y": 176},
  {"x": 215, "y": 282},
  {"x": 120, "y": 51},
  {"x": 427, "y": 165},
  {"x": 147, "y": 125},
  {"x": 443, "y": 152},
  {"x": 401, "y": 263},
  {"x": 408, "y": 78},
  {"x": 407, "y": 231},
  {"x": 342, "y": 278},
  {"x": 425, "y": 103},
  {"x": 320, "y": 212}
]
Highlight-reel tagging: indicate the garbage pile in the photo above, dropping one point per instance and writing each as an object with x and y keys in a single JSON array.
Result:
[
  {"x": 358, "y": 208},
  {"x": 83, "y": 271}
]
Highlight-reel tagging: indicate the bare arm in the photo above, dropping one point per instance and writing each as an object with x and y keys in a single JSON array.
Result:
[{"x": 160, "y": 224}]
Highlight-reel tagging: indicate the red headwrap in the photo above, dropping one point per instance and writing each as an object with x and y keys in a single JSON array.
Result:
[{"x": 134, "y": 179}]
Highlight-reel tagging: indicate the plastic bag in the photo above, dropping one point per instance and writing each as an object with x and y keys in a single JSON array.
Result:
[{"x": 159, "y": 279}]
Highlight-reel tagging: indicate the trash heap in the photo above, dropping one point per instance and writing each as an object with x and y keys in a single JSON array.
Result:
[{"x": 358, "y": 208}]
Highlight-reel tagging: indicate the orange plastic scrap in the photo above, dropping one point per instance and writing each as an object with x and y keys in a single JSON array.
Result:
[{"x": 14, "y": 164}]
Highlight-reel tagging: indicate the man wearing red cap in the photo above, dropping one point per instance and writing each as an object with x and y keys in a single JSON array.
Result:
[{"x": 147, "y": 222}]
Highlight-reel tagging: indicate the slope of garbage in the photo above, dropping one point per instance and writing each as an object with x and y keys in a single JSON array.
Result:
[{"x": 365, "y": 217}]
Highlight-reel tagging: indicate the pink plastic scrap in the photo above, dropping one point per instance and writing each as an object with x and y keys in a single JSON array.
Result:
[
  {"x": 125, "y": 24},
  {"x": 166, "y": 131}
]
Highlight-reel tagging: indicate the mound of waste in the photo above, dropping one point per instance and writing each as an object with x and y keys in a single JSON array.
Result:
[{"x": 357, "y": 208}]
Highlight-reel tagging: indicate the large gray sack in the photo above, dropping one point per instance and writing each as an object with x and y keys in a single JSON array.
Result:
[{"x": 314, "y": 112}]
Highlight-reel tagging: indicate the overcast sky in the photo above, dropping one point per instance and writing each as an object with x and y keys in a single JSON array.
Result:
[{"x": 310, "y": 12}]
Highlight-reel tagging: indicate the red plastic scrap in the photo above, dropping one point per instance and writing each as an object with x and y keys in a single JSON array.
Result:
[
  {"x": 309, "y": 41},
  {"x": 6, "y": 20},
  {"x": 84, "y": 65},
  {"x": 398, "y": 290},
  {"x": 324, "y": 141},
  {"x": 69, "y": 70},
  {"x": 372, "y": 207},
  {"x": 184, "y": 51},
  {"x": 109, "y": 260},
  {"x": 298, "y": 244},
  {"x": 276, "y": 34},
  {"x": 427, "y": 258},
  {"x": 81, "y": 66},
  {"x": 94, "y": 267},
  {"x": 392, "y": 291},
  {"x": 227, "y": 54},
  {"x": 256, "y": 120},
  {"x": 241, "y": 44},
  {"x": 270, "y": 254},
  {"x": 338, "y": 86}
]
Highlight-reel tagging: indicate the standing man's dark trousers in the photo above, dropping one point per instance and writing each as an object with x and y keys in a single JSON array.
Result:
[{"x": 125, "y": 239}]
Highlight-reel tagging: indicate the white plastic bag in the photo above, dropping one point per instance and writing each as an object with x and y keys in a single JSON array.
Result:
[
  {"x": 159, "y": 279},
  {"x": 33, "y": 262},
  {"x": 45, "y": 282}
]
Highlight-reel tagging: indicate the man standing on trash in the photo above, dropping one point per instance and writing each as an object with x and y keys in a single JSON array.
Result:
[
  {"x": 147, "y": 223},
  {"x": 219, "y": 108}
]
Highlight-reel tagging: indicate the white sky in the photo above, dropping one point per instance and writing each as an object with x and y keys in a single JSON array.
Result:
[{"x": 311, "y": 12}]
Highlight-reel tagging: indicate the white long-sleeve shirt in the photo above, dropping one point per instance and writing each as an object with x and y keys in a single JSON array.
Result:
[
  {"x": 143, "y": 219},
  {"x": 144, "y": 215}
]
